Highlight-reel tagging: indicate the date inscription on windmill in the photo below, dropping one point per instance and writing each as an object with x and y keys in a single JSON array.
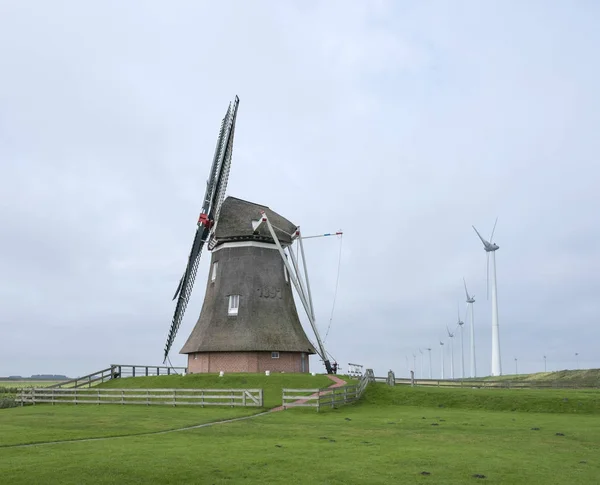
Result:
[{"x": 269, "y": 292}]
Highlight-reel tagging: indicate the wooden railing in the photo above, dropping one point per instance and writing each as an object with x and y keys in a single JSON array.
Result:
[
  {"x": 116, "y": 371},
  {"x": 327, "y": 397},
  {"x": 148, "y": 397},
  {"x": 85, "y": 381}
]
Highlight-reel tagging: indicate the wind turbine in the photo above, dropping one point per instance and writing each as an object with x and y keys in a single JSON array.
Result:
[
  {"x": 442, "y": 355},
  {"x": 544, "y": 363},
  {"x": 460, "y": 324},
  {"x": 421, "y": 375},
  {"x": 429, "y": 350},
  {"x": 470, "y": 301},
  {"x": 414, "y": 365},
  {"x": 451, "y": 336},
  {"x": 491, "y": 247}
]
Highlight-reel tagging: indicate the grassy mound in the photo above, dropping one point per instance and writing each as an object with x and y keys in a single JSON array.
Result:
[
  {"x": 271, "y": 385},
  {"x": 522, "y": 400},
  {"x": 582, "y": 377}
]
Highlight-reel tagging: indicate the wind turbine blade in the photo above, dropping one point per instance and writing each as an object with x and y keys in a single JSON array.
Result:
[
  {"x": 487, "y": 276},
  {"x": 482, "y": 240},
  {"x": 466, "y": 292},
  {"x": 492, "y": 236}
]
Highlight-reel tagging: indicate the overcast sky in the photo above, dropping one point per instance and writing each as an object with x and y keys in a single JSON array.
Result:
[{"x": 401, "y": 123}]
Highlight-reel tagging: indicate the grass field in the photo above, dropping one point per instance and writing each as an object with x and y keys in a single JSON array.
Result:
[
  {"x": 19, "y": 384},
  {"x": 391, "y": 436}
]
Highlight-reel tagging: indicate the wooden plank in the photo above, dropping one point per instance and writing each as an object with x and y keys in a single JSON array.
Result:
[{"x": 301, "y": 390}]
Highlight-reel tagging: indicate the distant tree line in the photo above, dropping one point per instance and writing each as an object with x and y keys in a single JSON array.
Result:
[{"x": 36, "y": 377}]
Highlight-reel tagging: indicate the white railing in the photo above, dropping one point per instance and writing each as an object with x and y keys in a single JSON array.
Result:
[{"x": 148, "y": 397}]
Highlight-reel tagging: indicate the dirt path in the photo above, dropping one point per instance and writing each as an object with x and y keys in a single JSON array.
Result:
[{"x": 337, "y": 382}]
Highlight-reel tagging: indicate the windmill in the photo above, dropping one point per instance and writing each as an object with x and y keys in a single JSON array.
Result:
[
  {"x": 430, "y": 371},
  {"x": 471, "y": 312},
  {"x": 248, "y": 321},
  {"x": 442, "y": 356},
  {"x": 421, "y": 375},
  {"x": 491, "y": 247},
  {"x": 460, "y": 324},
  {"x": 451, "y": 337}
]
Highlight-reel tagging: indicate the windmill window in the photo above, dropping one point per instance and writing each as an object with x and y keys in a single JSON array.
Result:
[
  {"x": 274, "y": 355},
  {"x": 213, "y": 275},
  {"x": 234, "y": 304}
]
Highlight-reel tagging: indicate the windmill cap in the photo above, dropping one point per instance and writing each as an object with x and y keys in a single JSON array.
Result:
[{"x": 236, "y": 223}]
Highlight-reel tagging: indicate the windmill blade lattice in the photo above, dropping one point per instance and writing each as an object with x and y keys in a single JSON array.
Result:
[{"x": 213, "y": 198}]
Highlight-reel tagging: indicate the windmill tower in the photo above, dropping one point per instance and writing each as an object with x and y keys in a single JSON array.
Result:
[
  {"x": 249, "y": 321},
  {"x": 451, "y": 337},
  {"x": 460, "y": 324},
  {"x": 490, "y": 248}
]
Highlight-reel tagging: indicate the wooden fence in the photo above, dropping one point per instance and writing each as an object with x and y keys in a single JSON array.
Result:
[
  {"x": 498, "y": 384},
  {"x": 154, "y": 397},
  {"x": 327, "y": 397}
]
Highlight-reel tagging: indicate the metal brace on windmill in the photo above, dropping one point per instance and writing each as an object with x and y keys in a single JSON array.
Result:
[{"x": 249, "y": 321}]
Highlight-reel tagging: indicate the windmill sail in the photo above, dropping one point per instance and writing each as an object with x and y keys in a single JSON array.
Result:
[{"x": 213, "y": 198}]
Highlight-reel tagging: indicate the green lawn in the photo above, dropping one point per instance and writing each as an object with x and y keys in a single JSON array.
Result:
[
  {"x": 391, "y": 436},
  {"x": 42, "y": 423}
]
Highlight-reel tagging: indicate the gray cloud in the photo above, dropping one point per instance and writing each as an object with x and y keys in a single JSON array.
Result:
[{"x": 402, "y": 125}]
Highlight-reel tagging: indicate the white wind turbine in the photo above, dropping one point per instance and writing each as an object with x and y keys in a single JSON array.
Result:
[
  {"x": 430, "y": 374},
  {"x": 451, "y": 336},
  {"x": 442, "y": 356},
  {"x": 460, "y": 324},
  {"x": 470, "y": 311},
  {"x": 421, "y": 374},
  {"x": 491, "y": 247}
]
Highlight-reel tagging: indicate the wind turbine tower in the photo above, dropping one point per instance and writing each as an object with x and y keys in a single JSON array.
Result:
[
  {"x": 460, "y": 324},
  {"x": 451, "y": 336},
  {"x": 421, "y": 375},
  {"x": 490, "y": 248},
  {"x": 429, "y": 350},
  {"x": 471, "y": 312},
  {"x": 442, "y": 356}
]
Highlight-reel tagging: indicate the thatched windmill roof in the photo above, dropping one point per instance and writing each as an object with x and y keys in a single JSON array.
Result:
[{"x": 235, "y": 223}]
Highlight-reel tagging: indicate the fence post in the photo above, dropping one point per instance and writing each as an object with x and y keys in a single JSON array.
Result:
[
  {"x": 174, "y": 397},
  {"x": 244, "y": 398},
  {"x": 391, "y": 378},
  {"x": 345, "y": 394},
  {"x": 412, "y": 378},
  {"x": 146, "y": 371},
  {"x": 260, "y": 397},
  {"x": 98, "y": 391},
  {"x": 147, "y": 397},
  {"x": 122, "y": 396}
]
